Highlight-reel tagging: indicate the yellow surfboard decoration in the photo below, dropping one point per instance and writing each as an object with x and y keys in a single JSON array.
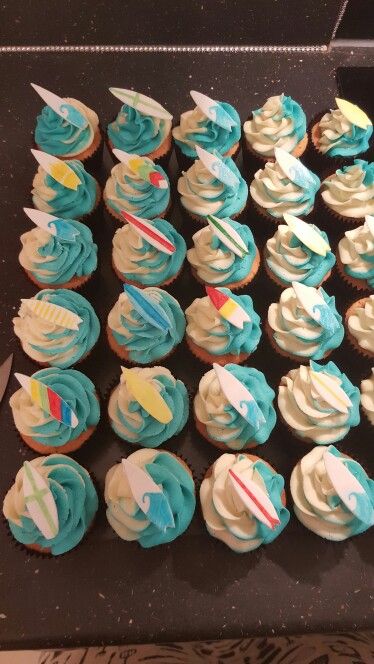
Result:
[
  {"x": 353, "y": 113},
  {"x": 147, "y": 396},
  {"x": 58, "y": 169}
]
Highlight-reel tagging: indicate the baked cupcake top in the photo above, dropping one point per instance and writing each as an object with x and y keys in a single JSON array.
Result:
[
  {"x": 52, "y": 259},
  {"x": 55, "y": 135},
  {"x": 339, "y": 137},
  {"x": 356, "y": 252},
  {"x": 305, "y": 322},
  {"x": 73, "y": 495},
  {"x": 75, "y": 389},
  {"x": 137, "y": 133},
  {"x": 207, "y": 328},
  {"x": 139, "y": 260},
  {"x": 133, "y": 422},
  {"x": 367, "y": 397},
  {"x": 144, "y": 341},
  {"x": 202, "y": 193},
  {"x": 350, "y": 190},
  {"x": 319, "y": 402},
  {"x": 49, "y": 195},
  {"x": 48, "y": 338},
  {"x": 126, "y": 190},
  {"x": 361, "y": 324},
  {"x": 279, "y": 123},
  {"x": 177, "y": 486},
  {"x": 223, "y": 421},
  {"x": 315, "y": 489},
  {"x": 227, "y": 516},
  {"x": 214, "y": 262}
]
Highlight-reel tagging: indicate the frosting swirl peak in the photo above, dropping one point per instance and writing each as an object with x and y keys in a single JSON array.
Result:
[{"x": 280, "y": 123}]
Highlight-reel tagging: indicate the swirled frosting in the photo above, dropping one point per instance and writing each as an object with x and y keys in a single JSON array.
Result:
[
  {"x": 75, "y": 389},
  {"x": 305, "y": 411},
  {"x": 52, "y": 260},
  {"x": 209, "y": 330},
  {"x": 316, "y": 503},
  {"x": 144, "y": 342},
  {"x": 214, "y": 262},
  {"x": 133, "y": 423},
  {"x": 137, "y": 260},
  {"x": 136, "y": 133},
  {"x": 356, "y": 252},
  {"x": 225, "y": 515},
  {"x": 202, "y": 193},
  {"x": 124, "y": 190},
  {"x": 124, "y": 514},
  {"x": 341, "y": 138},
  {"x": 48, "y": 195},
  {"x": 280, "y": 123},
  {"x": 222, "y": 421},
  {"x": 350, "y": 190},
  {"x": 196, "y": 129},
  {"x": 296, "y": 332},
  {"x": 75, "y": 497},
  {"x": 367, "y": 397},
  {"x": 272, "y": 190},
  {"x": 361, "y": 324},
  {"x": 49, "y": 343},
  {"x": 289, "y": 259},
  {"x": 54, "y": 135}
]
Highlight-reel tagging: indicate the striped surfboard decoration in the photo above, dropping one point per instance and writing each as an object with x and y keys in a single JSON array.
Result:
[
  {"x": 39, "y": 500},
  {"x": 256, "y": 501},
  {"x": 227, "y": 307},
  {"x": 150, "y": 233},
  {"x": 53, "y": 313},
  {"x": 141, "y": 102},
  {"x": 48, "y": 400}
]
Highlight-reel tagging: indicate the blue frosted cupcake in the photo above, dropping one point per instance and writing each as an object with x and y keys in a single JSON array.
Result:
[{"x": 335, "y": 136}]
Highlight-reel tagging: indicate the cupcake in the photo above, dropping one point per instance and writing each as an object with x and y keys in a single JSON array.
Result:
[
  {"x": 69, "y": 416},
  {"x": 51, "y": 505},
  {"x": 280, "y": 123},
  {"x": 321, "y": 501},
  {"x": 367, "y": 397},
  {"x": 140, "y": 259},
  {"x": 359, "y": 321},
  {"x": 140, "y": 423},
  {"x": 215, "y": 260},
  {"x": 355, "y": 257},
  {"x": 337, "y": 136},
  {"x": 171, "y": 497},
  {"x": 145, "y": 326},
  {"x": 59, "y": 335},
  {"x": 348, "y": 193},
  {"x": 228, "y": 422},
  {"x": 304, "y": 324},
  {"x": 318, "y": 403},
  {"x": 230, "y": 513},
  {"x": 222, "y": 327}
]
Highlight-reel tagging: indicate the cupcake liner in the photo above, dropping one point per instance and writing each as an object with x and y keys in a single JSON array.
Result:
[
  {"x": 208, "y": 358},
  {"x": 358, "y": 284},
  {"x": 352, "y": 340},
  {"x": 299, "y": 359},
  {"x": 236, "y": 285}
]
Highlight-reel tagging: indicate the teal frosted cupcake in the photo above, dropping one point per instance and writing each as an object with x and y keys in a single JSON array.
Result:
[
  {"x": 348, "y": 193},
  {"x": 336, "y": 134},
  {"x": 355, "y": 256},
  {"x": 69, "y": 499}
]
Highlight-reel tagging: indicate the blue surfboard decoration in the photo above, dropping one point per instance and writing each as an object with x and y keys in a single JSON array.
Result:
[{"x": 147, "y": 307}]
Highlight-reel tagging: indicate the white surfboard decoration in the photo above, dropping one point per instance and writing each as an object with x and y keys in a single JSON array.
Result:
[
  {"x": 254, "y": 499},
  {"x": 53, "y": 313},
  {"x": 293, "y": 168},
  {"x": 348, "y": 488},
  {"x": 62, "y": 107},
  {"x": 148, "y": 496},
  {"x": 307, "y": 234},
  {"x": 142, "y": 103},
  {"x": 312, "y": 301},
  {"x": 330, "y": 391},
  {"x": 59, "y": 170},
  {"x": 57, "y": 227},
  {"x": 369, "y": 220},
  {"x": 239, "y": 397},
  {"x": 353, "y": 113},
  {"x": 40, "y": 503},
  {"x": 217, "y": 167},
  {"x": 213, "y": 110},
  {"x": 228, "y": 235}
]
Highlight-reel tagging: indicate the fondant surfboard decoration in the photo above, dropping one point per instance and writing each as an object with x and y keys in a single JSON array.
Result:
[
  {"x": 48, "y": 400},
  {"x": 62, "y": 107},
  {"x": 369, "y": 220},
  {"x": 213, "y": 110},
  {"x": 227, "y": 307},
  {"x": 307, "y": 234},
  {"x": 53, "y": 313},
  {"x": 143, "y": 168},
  {"x": 228, "y": 235},
  {"x": 255, "y": 500},
  {"x": 353, "y": 113},
  {"x": 147, "y": 396},
  {"x": 239, "y": 397},
  {"x": 149, "y": 496},
  {"x": 142, "y": 103},
  {"x": 57, "y": 169},
  {"x": 348, "y": 488},
  {"x": 217, "y": 167},
  {"x": 40, "y": 503},
  {"x": 293, "y": 168},
  {"x": 330, "y": 391},
  {"x": 314, "y": 304},
  {"x": 57, "y": 227},
  {"x": 150, "y": 233},
  {"x": 147, "y": 307}
]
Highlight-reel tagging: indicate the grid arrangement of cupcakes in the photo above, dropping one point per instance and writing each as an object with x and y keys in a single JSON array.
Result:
[{"x": 151, "y": 495}]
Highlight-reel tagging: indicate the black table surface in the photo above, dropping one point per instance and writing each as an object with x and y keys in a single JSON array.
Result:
[{"x": 108, "y": 591}]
